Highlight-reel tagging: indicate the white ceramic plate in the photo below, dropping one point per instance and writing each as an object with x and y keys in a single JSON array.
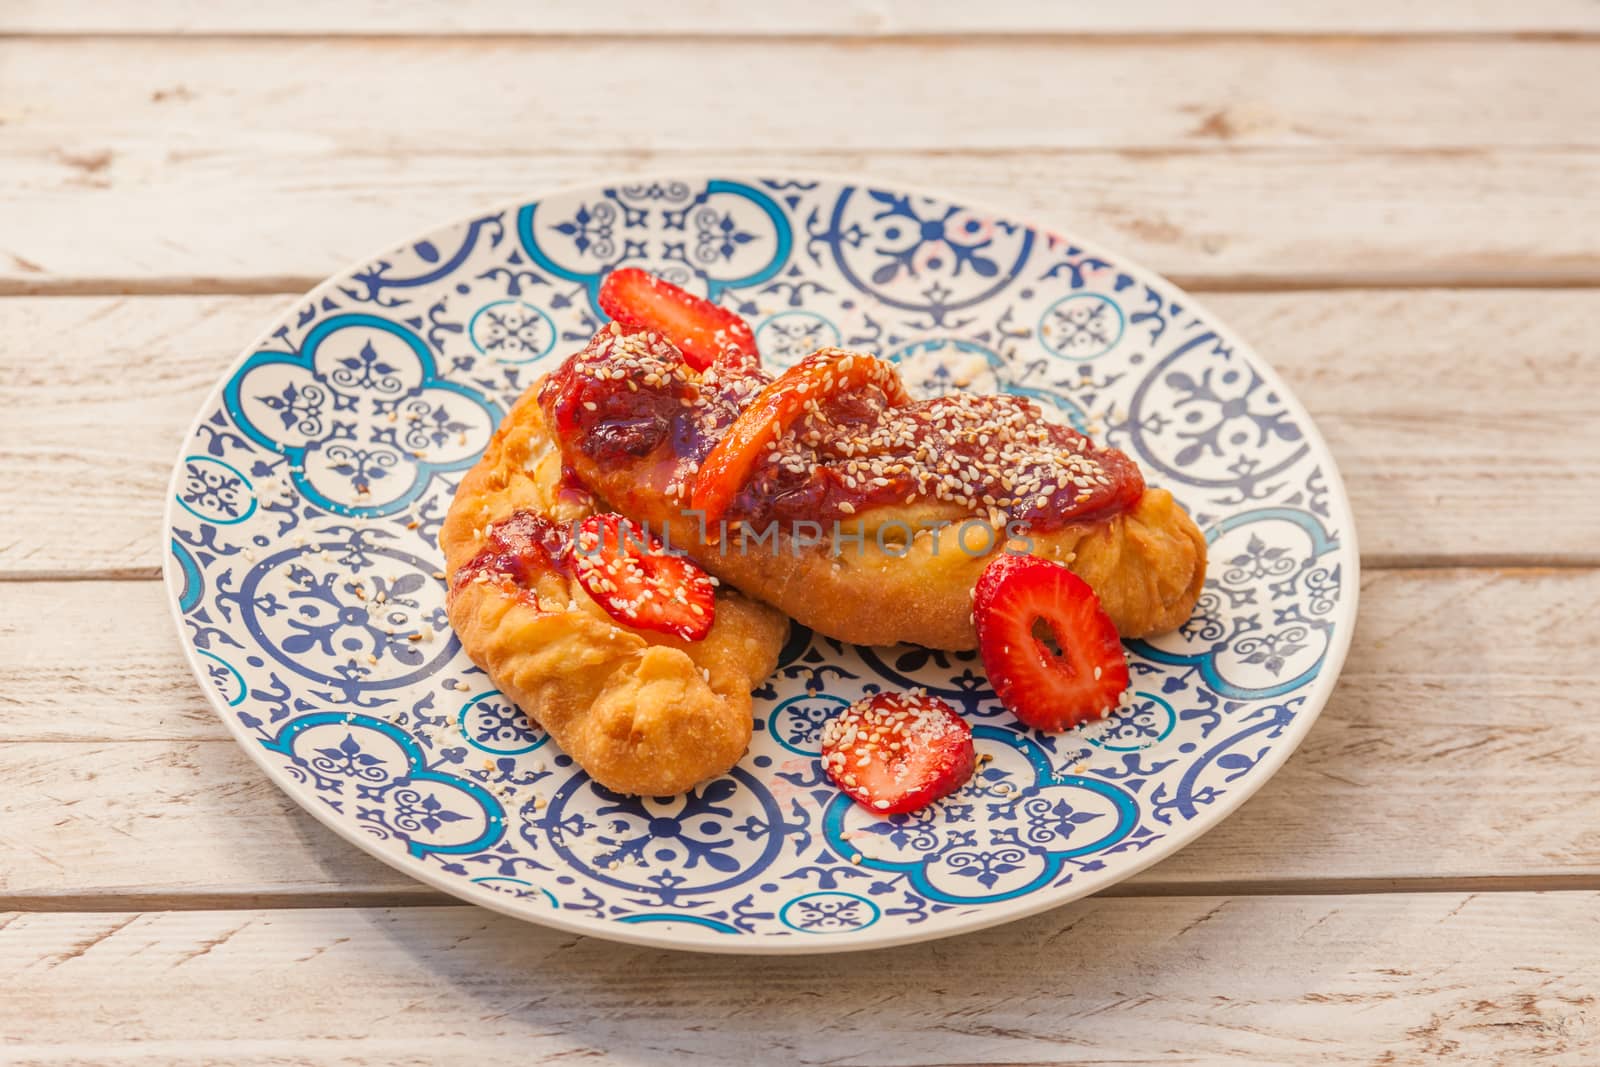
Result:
[{"x": 326, "y": 458}]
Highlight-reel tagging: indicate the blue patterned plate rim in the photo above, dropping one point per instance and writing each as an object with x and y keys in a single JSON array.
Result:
[{"x": 818, "y": 910}]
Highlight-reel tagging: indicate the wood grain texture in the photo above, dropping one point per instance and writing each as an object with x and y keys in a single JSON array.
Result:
[
  {"x": 468, "y": 97},
  {"x": 1244, "y": 161},
  {"x": 820, "y": 17},
  {"x": 1458, "y": 745},
  {"x": 174, "y": 219},
  {"x": 167, "y": 823},
  {"x": 1400, "y": 980},
  {"x": 1418, "y": 393}
]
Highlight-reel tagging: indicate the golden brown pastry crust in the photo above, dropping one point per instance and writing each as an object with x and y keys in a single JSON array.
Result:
[{"x": 641, "y": 712}]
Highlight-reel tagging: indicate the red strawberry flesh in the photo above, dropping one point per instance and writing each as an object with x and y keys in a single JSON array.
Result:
[
  {"x": 897, "y": 752},
  {"x": 704, "y": 332},
  {"x": 1047, "y": 690},
  {"x": 628, "y": 573}
]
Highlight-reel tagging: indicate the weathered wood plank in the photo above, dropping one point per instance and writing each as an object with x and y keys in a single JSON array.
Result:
[
  {"x": 145, "y": 135},
  {"x": 485, "y": 95},
  {"x": 1396, "y": 979},
  {"x": 1460, "y": 743},
  {"x": 168, "y": 820},
  {"x": 169, "y": 218},
  {"x": 1418, "y": 392},
  {"x": 714, "y": 18}
]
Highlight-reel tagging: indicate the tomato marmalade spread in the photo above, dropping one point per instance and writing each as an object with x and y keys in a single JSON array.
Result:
[{"x": 628, "y": 396}]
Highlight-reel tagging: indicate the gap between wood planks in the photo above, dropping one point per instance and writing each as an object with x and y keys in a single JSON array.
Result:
[
  {"x": 291, "y": 286},
  {"x": 1370, "y": 564},
  {"x": 421, "y": 896},
  {"x": 1040, "y": 37}
]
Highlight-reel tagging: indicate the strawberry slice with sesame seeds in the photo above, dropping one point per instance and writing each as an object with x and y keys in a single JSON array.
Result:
[
  {"x": 897, "y": 752},
  {"x": 825, "y": 373},
  {"x": 704, "y": 332},
  {"x": 1045, "y": 689},
  {"x": 628, "y": 573}
]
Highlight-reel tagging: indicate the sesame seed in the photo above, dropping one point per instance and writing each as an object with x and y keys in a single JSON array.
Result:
[{"x": 994, "y": 456}]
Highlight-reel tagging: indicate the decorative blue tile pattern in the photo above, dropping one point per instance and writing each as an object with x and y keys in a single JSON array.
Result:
[{"x": 306, "y": 506}]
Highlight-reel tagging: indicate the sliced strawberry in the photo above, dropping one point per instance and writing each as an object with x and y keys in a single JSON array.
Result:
[
  {"x": 1045, "y": 690},
  {"x": 702, "y": 331},
  {"x": 897, "y": 752},
  {"x": 820, "y": 375},
  {"x": 629, "y": 574}
]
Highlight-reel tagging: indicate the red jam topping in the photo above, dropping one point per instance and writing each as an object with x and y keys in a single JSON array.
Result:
[
  {"x": 628, "y": 396},
  {"x": 520, "y": 548},
  {"x": 625, "y": 395}
]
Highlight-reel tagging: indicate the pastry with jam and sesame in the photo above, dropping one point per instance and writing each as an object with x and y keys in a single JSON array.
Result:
[
  {"x": 633, "y": 659},
  {"x": 832, "y": 495},
  {"x": 609, "y": 556}
]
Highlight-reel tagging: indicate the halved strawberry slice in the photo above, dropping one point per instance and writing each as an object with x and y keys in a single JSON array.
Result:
[
  {"x": 628, "y": 573},
  {"x": 1045, "y": 690},
  {"x": 820, "y": 375},
  {"x": 701, "y": 330},
  {"x": 897, "y": 752}
]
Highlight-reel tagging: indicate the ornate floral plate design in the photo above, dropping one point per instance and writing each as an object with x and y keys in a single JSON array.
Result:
[{"x": 302, "y": 568}]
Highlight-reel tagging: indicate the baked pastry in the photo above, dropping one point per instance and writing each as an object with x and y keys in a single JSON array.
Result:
[
  {"x": 827, "y": 492},
  {"x": 831, "y": 495},
  {"x": 641, "y": 710}
]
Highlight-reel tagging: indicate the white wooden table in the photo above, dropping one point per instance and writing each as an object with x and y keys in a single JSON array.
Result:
[{"x": 1401, "y": 209}]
